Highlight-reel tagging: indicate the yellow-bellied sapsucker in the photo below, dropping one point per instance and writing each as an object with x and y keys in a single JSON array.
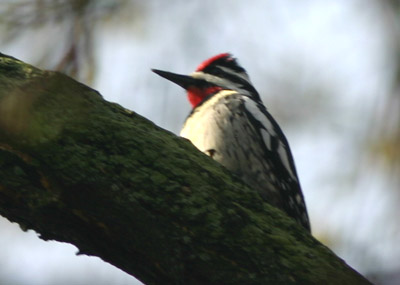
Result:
[{"x": 230, "y": 123}]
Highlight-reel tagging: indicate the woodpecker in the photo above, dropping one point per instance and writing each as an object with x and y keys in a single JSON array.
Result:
[{"x": 229, "y": 123}]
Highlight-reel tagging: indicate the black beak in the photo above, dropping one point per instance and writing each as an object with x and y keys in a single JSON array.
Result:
[{"x": 184, "y": 81}]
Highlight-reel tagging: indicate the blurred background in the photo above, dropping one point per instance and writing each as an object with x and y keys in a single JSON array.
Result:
[{"x": 328, "y": 71}]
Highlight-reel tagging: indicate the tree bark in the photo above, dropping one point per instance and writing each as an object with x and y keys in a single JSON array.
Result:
[{"x": 78, "y": 169}]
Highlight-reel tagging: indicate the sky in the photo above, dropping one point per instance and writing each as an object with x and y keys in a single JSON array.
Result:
[{"x": 321, "y": 68}]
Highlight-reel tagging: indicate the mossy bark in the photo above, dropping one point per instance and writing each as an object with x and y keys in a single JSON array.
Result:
[{"x": 78, "y": 169}]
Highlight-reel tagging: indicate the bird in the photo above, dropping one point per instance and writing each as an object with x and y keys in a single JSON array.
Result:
[{"x": 229, "y": 122}]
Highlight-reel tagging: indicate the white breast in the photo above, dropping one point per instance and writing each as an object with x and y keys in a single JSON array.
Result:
[{"x": 204, "y": 127}]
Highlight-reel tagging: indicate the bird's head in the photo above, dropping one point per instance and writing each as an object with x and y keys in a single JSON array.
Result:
[{"x": 220, "y": 72}]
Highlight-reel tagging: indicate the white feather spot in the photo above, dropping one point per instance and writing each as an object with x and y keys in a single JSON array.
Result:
[
  {"x": 267, "y": 138},
  {"x": 252, "y": 107},
  {"x": 298, "y": 199},
  {"x": 285, "y": 160}
]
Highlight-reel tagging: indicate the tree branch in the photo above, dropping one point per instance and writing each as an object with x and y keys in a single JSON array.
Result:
[{"x": 78, "y": 169}]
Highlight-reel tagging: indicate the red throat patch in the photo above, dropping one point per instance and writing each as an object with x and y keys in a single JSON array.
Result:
[{"x": 196, "y": 95}]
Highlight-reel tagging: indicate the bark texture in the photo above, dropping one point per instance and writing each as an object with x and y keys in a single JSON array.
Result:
[{"x": 81, "y": 170}]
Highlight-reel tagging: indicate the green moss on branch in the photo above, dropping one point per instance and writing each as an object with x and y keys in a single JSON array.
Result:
[{"x": 78, "y": 169}]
